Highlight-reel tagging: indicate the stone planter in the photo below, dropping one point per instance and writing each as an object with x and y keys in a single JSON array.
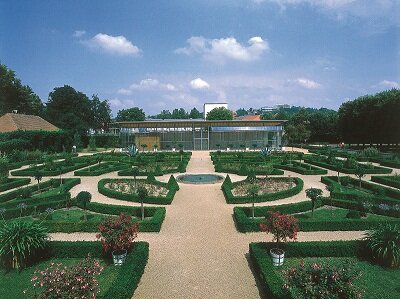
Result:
[
  {"x": 278, "y": 256},
  {"x": 119, "y": 256}
]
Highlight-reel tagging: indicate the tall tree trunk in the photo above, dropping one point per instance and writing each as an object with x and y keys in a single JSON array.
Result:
[{"x": 142, "y": 206}]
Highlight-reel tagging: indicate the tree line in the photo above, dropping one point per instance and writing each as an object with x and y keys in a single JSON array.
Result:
[{"x": 367, "y": 119}]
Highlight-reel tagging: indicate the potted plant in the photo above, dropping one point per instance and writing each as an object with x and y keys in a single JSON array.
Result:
[
  {"x": 117, "y": 235},
  {"x": 283, "y": 227}
]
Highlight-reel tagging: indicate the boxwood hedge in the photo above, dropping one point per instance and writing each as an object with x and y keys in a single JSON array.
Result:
[
  {"x": 231, "y": 199},
  {"x": 129, "y": 274},
  {"x": 172, "y": 189},
  {"x": 265, "y": 271},
  {"x": 12, "y": 183},
  {"x": 392, "y": 181},
  {"x": 305, "y": 169}
]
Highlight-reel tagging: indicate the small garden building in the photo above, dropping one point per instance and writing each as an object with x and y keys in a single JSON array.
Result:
[{"x": 10, "y": 122}]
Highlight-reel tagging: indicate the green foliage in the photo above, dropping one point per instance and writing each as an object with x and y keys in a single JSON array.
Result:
[
  {"x": 371, "y": 118},
  {"x": 69, "y": 109},
  {"x": 219, "y": 113},
  {"x": 84, "y": 198},
  {"x": 4, "y": 169},
  {"x": 384, "y": 243},
  {"x": 262, "y": 197},
  {"x": 322, "y": 280},
  {"x": 92, "y": 143},
  {"x": 131, "y": 114},
  {"x": 19, "y": 241},
  {"x": 15, "y": 96},
  {"x": 49, "y": 141},
  {"x": 353, "y": 214}
]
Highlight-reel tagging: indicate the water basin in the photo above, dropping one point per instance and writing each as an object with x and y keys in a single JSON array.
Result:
[{"x": 199, "y": 178}]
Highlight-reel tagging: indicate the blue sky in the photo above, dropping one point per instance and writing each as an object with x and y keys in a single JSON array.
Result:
[{"x": 167, "y": 54}]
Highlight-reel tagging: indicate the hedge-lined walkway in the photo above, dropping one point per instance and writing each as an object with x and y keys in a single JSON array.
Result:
[{"x": 199, "y": 253}]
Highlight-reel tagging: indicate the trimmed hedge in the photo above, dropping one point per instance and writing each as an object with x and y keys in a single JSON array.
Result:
[
  {"x": 154, "y": 224},
  {"x": 14, "y": 183},
  {"x": 129, "y": 273},
  {"x": 266, "y": 272},
  {"x": 374, "y": 170},
  {"x": 100, "y": 169},
  {"x": 387, "y": 180},
  {"x": 244, "y": 222},
  {"x": 230, "y": 199},
  {"x": 302, "y": 168},
  {"x": 63, "y": 169},
  {"x": 391, "y": 196},
  {"x": 167, "y": 200}
]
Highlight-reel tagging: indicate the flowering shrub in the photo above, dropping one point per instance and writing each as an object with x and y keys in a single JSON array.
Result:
[
  {"x": 59, "y": 281},
  {"x": 282, "y": 226},
  {"x": 117, "y": 233},
  {"x": 319, "y": 280}
]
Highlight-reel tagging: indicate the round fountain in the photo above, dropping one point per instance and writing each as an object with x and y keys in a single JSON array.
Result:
[{"x": 199, "y": 178}]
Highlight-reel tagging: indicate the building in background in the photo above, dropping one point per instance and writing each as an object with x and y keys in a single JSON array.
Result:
[
  {"x": 10, "y": 122},
  {"x": 201, "y": 134}
]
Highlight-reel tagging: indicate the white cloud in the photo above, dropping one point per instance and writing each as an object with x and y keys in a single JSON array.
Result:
[
  {"x": 378, "y": 15},
  {"x": 389, "y": 84},
  {"x": 148, "y": 84},
  {"x": 219, "y": 50},
  {"x": 307, "y": 83},
  {"x": 113, "y": 44},
  {"x": 199, "y": 83},
  {"x": 79, "y": 33}
]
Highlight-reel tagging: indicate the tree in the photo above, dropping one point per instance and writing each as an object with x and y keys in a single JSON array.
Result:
[
  {"x": 135, "y": 173},
  {"x": 194, "y": 114},
  {"x": 241, "y": 112},
  {"x": 252, "y": 191},
  {"x": 4, "y": 170},
  {"x": 101, "y": 113},
  {"x": 220, "y": 113},
  {"x": 360, "y": 173},
  {"x": 144, "y": 146},
  {"x": 142, "y": 194},
  {"x": 179, "y": 114},
  {"x": 131, "y": 114},
  {"x": 313, "y": 194},
  {"x": 15, "y": 96},
  {"x": 69, "y": 109},
  {"x": 371, "y": 118},
  {"x": 84, "y": 198},
  {"x": 38, "y": 177}
]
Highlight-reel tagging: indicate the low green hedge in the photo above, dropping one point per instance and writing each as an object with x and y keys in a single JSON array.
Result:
[
  {"x": 374, "y": 170},
  {"x": 10, "y": 199},
  {"x": 387, "y": 163},
  {"x": 154, "y": 224},
  {"x": 133, "y": 197},
  {"x": 244, "y": 222},
  {"x": 100, "y": 169},
  {"x": 387, "y": 180},
  {"x": 14, "y": 183},
  {"x": 129, "y": 273},
  {"x": 265, "y": 271},
  {"x": 305, "y": 169},
  {"x": 230, "y": 199},
  {"x": 391, "y": 196},
  {"x": 63, "y": 169}
]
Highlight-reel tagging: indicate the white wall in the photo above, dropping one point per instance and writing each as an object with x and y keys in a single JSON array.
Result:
[{"x": 210, "y": 106}]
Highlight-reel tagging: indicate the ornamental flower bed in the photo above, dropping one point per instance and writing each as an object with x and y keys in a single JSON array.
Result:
[
  {"x": 267, "y": 185},
  {"x": 130, "y": 187}
]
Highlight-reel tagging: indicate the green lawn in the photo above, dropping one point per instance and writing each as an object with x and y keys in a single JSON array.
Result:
[
  {"x": 77, "y": 214},
  {"x": 378, "y": 282},
  {"x": 334, "y": 213},
  {"x": 13, "y": 283}
]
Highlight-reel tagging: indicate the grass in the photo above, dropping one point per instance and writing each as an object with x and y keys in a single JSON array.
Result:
[
  {"x": 77, "y": 215},
  {"x": 13, "y": 283},
  {"x": 378, "y": 282},
  {"x": 334, "y": 213}
]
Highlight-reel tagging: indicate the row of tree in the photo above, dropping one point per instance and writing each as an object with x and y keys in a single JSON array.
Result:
[{"x": 178, "y": 113}]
